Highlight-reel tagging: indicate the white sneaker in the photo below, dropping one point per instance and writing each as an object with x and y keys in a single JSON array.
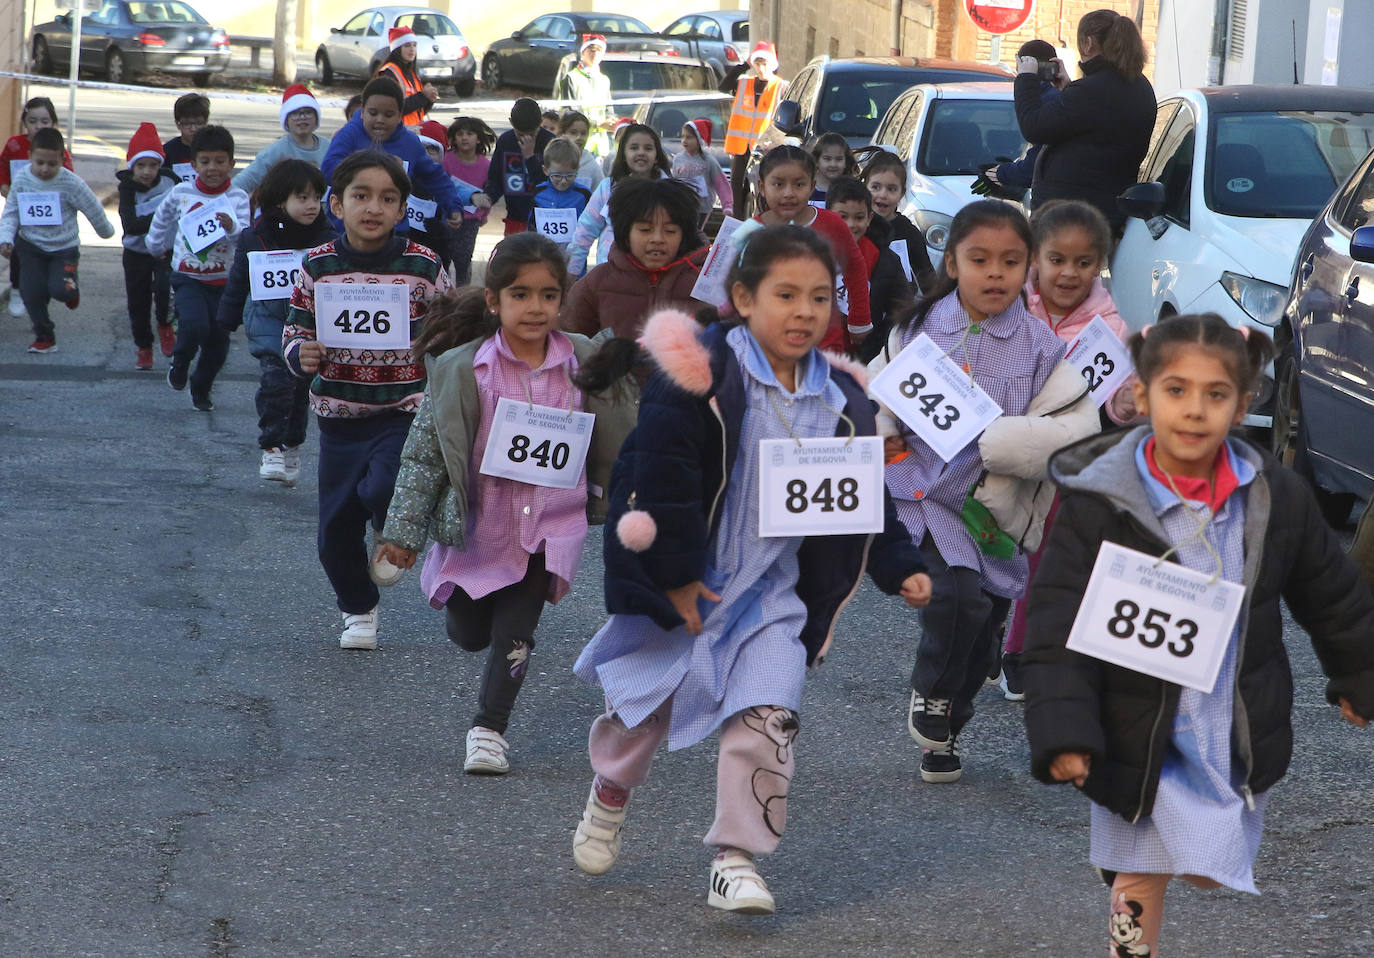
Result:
[
  {"x": 486, "y": 752},
  {"x": 360, "y": 630},
  {"x": 273, "y": 468},
  {"x": 382, "y": 571},
  {"x": 16, "y": 304},
  {"x": 291, "y": 462},
  {"x": 596, "y": 843},
  {"x": 736, "y": 885}
]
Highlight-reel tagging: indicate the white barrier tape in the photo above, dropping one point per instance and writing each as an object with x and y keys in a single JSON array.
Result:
[{"x": 339, "y": 102}]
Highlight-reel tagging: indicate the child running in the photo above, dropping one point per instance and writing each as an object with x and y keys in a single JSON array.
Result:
[
  {"x": 468, "y": 160},
  {"x": 834, "y": 159},
  {"x": 39, "y": 227},
  {"x": 639, "y": 153},
  {"x": 891, "y": 298},
  {"x": 576, "y": 127},
  {"x": 711, "y": 627},
  {"x": 1072, "y": 244},
  {"x": 975, "y": 315},
  {"x": 37, "y": 113},
  {"x": 147, "y": 278},
  {"x": 787, "y": 178},
  {"x": 300, "y": 118},
  {"x": 699, "y": 169},
  {"x": 1179, "y": 778},
  {"x": 258, "y": 296},
  {"x": 503, "y": 546},
  {"x": 366, "y": 388},
  {"x": 655, "y": 263}
]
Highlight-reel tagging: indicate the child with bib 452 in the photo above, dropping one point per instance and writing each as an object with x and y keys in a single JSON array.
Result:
[
  {"x": 1179, "y": 778},
  {"x": 714, "y": 624}
]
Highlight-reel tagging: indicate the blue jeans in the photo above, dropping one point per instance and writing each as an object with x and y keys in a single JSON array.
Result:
[{"x": 197, "y": 331}]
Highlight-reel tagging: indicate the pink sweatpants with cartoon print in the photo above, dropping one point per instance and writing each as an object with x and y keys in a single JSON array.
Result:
[{"x": 752, "y": 774}]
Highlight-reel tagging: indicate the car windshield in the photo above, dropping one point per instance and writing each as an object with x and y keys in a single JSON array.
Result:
[
  {"x": 667, "y": 118},
  {"x": 169, "y": 11},
  {"x": 616, "y": 25},
  {"x": 638, "y": 76},
  {"x": 1284, "y": 164},
  {"x": 853, "y": 101},
  {"x": 434, "y": 25},
  {"x": 963, "y": 136}
]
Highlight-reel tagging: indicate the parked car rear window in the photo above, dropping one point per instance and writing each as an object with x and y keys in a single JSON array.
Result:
[
  {"x": 428, "y": 24},
  {"x": 616, "y": 25},
  {"x": 740, "y": 32},
  {"x": 1283, "y": 164},
  {"x": 168, "y": 11},
  {"x": 853, "y": 101},
  {"x": 638, "y": 76},
  {"x": 961, "y": 136},
  {"x": 667, "y": 118}
]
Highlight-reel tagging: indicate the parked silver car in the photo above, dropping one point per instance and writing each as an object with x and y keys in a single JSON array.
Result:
[
  {"x": 720, "y": 37},
  {"x": 360, "y": 47}
]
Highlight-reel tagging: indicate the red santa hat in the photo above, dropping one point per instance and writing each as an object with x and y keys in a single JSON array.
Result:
[
  {"x": 145, "y": 143},
  {"x": 433, "y": 133},
  {"x": 298, "y": 97},
  {"x": 400, "y": 36},
  {"x": 702, "y": 127},
  {"x": 766, "y": 51},
  {"x": 620, "y": 125},
  {"x": 592, "y": 40}
]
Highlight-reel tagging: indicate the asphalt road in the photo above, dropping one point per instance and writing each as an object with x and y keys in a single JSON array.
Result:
[{"x": 192, "y": 766}]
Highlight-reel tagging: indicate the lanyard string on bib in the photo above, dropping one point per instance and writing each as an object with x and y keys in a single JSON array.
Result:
[
  {"x": 782, "y": 419},
  {"x": 972, "y": 329},
  {"x": 1201, "y": 534},
  {"x": 572, "y": 401}
]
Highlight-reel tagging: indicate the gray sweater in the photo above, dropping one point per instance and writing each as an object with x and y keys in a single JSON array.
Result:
[
  {"x": 284, "y": 148},
  {"x": 75, "y": 197}
]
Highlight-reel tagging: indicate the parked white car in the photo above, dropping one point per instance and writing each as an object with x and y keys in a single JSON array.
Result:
[
  {"x": 945, "y": 134},
  {"x": 1244, "y": 170},
  {"x": 359, "y": 48}
]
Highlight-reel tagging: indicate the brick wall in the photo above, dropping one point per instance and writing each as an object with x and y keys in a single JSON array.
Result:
[{"x": 12, "y": 42}]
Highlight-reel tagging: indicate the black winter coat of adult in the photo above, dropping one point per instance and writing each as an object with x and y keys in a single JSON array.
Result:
[
  {"x": 1094, "y": 135},
  {"x": 1123, "y": 718}
]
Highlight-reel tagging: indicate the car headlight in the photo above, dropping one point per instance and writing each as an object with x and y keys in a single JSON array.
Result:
[
  {"x": 934, "y": 225},
  {"x": 1263, "y": 302}
]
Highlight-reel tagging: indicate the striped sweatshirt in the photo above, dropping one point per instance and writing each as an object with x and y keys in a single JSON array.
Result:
[
  {"x": 73, "y": 196},
  {"x": 358, "y": 383}
]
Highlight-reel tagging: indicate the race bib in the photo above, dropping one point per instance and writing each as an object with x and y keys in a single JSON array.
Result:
[
  {"x": 710, "y": 284},
  {"x": 820, "y": 487},
  {"x": 40, "y": 209},
  {"x": 557, "y": 225},
  {"x": 1158, "y": 618},
  {"x": 419, "y": 211},
  {"x": 363, "y": 315},
  {"x": 841, "y": 294},
  {"x": 272, "y": 273},
  {"x": 537, "y": 445},
  {"x": 818, "y": 204},
  {"x": 939, "y": 401},
  {"x": 184, "y": 171},
  {"x": 1102, "y": 358},
  {"x": 202, "y": 228}
]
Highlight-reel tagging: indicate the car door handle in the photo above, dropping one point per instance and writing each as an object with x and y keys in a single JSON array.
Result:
[
  {"x": 1305, "y": 270},
  {"x": 1352, "y": 291}
]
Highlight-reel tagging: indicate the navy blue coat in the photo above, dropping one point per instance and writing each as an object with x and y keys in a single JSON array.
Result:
[{"x": 676, "y": 462}]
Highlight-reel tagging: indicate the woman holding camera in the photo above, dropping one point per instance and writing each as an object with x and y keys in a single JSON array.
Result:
[{"x": 1096, "y": 132}]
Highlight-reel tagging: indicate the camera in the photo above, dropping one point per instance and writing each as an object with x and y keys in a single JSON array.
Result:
[{"x": 1047, "y": 71}]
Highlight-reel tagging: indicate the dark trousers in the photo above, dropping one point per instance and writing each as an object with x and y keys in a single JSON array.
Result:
[
  {"x": 960, "y": 636},
  {"x": 464, "y": 242},
  {"x": 198, "y": 333},
  {"x": 739, "y": 183},
  {"x": 503, "y": 622},
  {"x": 359, "y": 460},
  {"x": 43, "y": 277},
  {"x": 147, "y": 282},
  {"x": 283, "y": 404}
]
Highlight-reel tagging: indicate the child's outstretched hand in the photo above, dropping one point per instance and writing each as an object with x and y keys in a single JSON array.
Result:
[
  {"x": 1071, "y": 767},
  {"x": 684, "y": 599},
  {"x": 397, "y": 556},
  {"x": 1350, "y": 715},
  {"x": 916, "y": 590}
]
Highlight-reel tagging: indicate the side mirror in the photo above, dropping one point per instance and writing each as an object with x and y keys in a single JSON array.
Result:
[
  {"x": 334, "y": 30},
  {"x": 787, "y": 118},
  {"x": 1362, "y": 245},
  {"x": 1143, "y": 201},
  {"x": 518, "y": 35}
]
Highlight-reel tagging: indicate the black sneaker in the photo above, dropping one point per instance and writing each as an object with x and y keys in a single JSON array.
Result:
[
  {"x": 177, "y": 376},
  {"x": 928, "y": 721},
  {"x": 201, "y": 401},
  {"x": 940, "y": 766},
  {"x": 1012, "y": 689},
  {"x": 995, "y": 670}
]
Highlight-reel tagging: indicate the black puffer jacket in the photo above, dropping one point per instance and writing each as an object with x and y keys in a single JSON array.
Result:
[
  {"x": 1094, "y": 135},
  {"x": 1123, "y": 718}
]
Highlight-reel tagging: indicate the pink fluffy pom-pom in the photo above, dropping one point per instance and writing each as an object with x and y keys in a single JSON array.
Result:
[{"x": 636, "y": 530}]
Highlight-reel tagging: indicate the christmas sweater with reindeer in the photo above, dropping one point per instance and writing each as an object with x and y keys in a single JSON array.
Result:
[{"x": 210, "y": 265}]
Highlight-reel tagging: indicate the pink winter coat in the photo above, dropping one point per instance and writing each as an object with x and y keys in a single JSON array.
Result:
[{"x": 1098, "y": 303}]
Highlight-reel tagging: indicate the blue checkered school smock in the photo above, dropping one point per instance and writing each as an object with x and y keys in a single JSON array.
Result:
[
  {"x": 749, "y": 651},
  {"x": 1199, "y": 824}
]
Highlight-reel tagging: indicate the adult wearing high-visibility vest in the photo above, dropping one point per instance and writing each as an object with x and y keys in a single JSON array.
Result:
[
  {"x": 756, "y": 95},
  {"x": 585, "y": 84},
  {"x": 401, "y": 66}
]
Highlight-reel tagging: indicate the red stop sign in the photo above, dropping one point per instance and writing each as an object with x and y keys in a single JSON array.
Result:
[{"x": 998, "y": 16}]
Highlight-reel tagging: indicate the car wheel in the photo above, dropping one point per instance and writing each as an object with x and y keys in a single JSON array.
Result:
[
  {"x": 465, "y": 87},
  {"x": 202, "y": 79},
  {"x": 325, "y": 68},
  {"x": 42, "y": 59},
  {"x": 1288, "y": 438},
  {"x": 115, "y": 70},
  {"x": 491, "y": 72}
]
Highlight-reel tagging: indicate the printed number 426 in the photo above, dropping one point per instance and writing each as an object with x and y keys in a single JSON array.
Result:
[{"x": 362, "y": 321}]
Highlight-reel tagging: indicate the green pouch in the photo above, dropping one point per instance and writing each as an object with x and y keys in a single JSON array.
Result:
[{"x": 992, "y": 541}]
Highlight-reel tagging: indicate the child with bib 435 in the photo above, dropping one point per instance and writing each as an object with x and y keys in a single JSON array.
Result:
[
  {"x": 1179, "y": 777},
  {"x": 713, "y": 623}
]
